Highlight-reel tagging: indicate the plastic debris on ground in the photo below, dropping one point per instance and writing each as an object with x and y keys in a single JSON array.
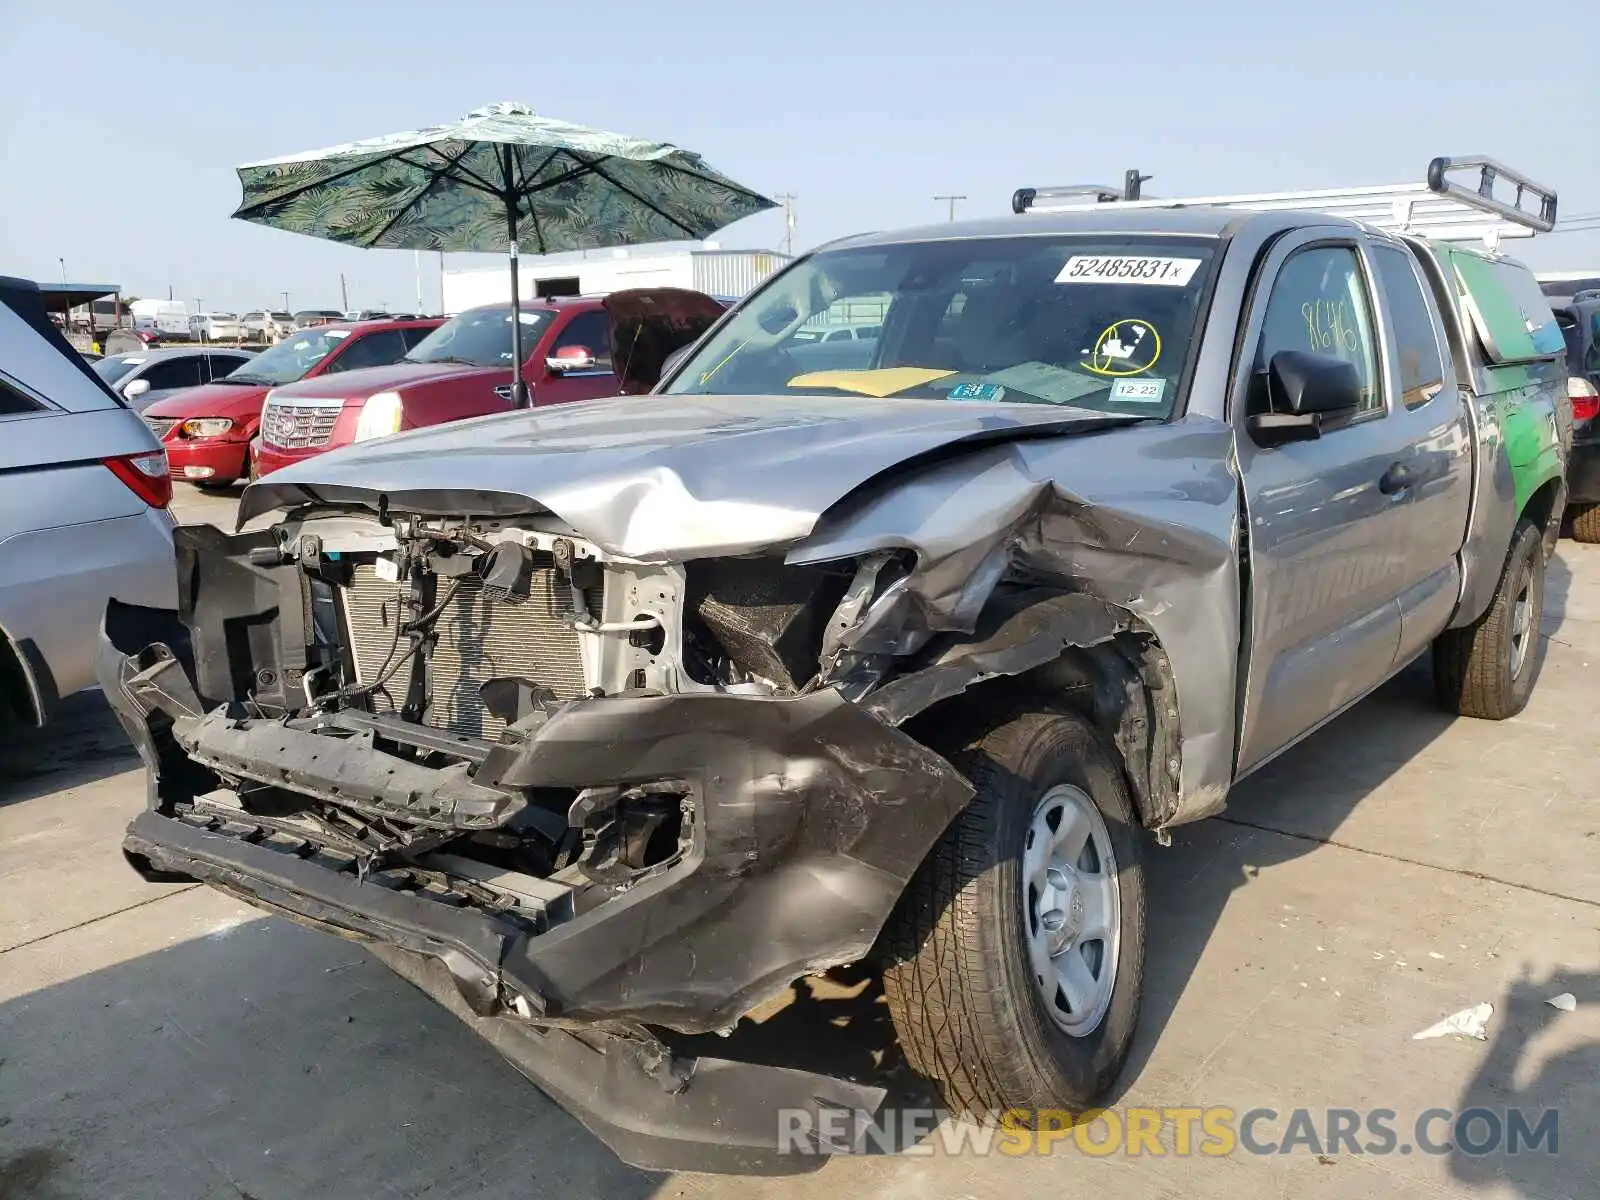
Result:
[
  {"x": 1566, "y": 1002},
  {"x": 1469, "y": 1022}
]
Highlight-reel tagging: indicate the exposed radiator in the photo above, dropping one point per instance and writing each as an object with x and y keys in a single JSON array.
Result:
[{"x": 478, "y": 641}]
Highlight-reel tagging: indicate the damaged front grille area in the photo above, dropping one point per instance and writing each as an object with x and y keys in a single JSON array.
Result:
[{"x": 476, "y": 639}]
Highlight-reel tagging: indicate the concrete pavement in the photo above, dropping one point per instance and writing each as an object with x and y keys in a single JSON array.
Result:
[{"x": 170, "y": 1042}]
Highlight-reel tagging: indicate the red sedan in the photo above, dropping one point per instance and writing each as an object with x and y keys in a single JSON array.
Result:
[{"x": 207, "y": 430}]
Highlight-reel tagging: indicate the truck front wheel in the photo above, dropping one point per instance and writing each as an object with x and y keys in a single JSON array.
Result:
[
  {"x": 1016, "y": 956},
  {"x": 1486, "y": 669}
]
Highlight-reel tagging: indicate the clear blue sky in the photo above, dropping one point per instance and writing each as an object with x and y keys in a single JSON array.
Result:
[{"x": 122, "y": 123}]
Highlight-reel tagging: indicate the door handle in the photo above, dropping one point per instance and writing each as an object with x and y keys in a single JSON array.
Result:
[{"x": 1396, "y": 479}]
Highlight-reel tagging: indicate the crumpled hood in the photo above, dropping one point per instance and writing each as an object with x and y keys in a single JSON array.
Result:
[{"x": 659, "y": 477}]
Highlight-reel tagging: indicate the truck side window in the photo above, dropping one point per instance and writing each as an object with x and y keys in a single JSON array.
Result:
[
  {"x": 1319, "y": 303},
  {"x": 1415, "y": 334},
  {"x": 591, "y": 330},
  {"x": 377, "y": 349}
]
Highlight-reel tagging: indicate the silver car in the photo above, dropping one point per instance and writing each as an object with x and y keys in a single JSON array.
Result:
[{"x": 83, "y": 511}]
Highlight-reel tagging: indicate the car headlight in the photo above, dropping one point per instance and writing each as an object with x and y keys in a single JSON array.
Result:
[
  {"x": 380, "y": 416},
  {"x": 207, "y": 426}
]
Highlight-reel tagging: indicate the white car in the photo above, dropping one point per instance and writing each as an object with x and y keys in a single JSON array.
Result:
[
  {"x": 262, "y": 326},
  {"x": 215, "y": 327}
]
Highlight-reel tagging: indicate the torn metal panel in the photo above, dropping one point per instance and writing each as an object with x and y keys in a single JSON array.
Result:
[{"x": 1128, "y": 528}]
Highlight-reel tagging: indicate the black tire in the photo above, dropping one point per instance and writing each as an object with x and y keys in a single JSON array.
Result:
[
  {"x": 1586, "y": 522},
  {"x": 958, "y": 979},
  {"x": 213, "y": 485},
  {"x": 1476, "y": 669}
]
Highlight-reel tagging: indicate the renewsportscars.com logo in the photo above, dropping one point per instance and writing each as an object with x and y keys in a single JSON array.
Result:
[{"x": 1211, "y": 1132}]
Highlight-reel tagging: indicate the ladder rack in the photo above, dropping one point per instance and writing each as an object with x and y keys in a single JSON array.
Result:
[{"x": 1441, "y": 208}]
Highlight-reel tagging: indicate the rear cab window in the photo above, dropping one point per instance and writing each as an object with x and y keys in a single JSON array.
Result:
[{"x": 1421, "y": 359}]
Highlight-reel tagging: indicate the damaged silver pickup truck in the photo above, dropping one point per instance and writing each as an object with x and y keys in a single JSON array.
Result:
[{"x": 604, "y": 723}]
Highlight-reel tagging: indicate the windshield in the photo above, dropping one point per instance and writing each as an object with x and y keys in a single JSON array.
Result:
[
  {"x": 291, "y": 359},
  {"x": 1093, "y": 322},
  {"x": 481, "y": 336},
  {"x": 116, "y": 367}
]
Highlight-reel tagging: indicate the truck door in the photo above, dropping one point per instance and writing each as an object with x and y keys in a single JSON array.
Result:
[
  {"x": 1326, "y": 539},
  {"x": 1431, "y": 481}
]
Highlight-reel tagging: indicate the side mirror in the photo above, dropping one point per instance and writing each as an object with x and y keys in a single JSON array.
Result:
[
  {"x": 1301, "y": 391},
  {"x": 136, "y": 389},
  {"x": 570, "y": 360}
]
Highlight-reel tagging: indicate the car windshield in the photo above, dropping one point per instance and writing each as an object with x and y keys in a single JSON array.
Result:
[
  {"x": 1101, "y": 322},
  {"x": 291, "y": 359},
  {"x": 117, "y": 367},
  {"x": 481, "y": 336}
]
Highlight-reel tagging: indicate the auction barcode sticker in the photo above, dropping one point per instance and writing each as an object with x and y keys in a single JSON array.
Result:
[{"x": 1128, "y": 268}]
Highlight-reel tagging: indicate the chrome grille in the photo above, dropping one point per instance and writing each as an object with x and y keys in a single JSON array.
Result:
[
  {"x": 299, "y": 424},
  {"x": 160, "y": 425},
  {"x": 478, "y": 641}
]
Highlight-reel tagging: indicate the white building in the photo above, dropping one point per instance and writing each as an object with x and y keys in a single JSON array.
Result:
[{"x": 707, "y": 268}]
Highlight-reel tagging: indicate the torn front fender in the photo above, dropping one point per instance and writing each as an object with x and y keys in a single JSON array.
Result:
[{"x": 1143, "y": 519}]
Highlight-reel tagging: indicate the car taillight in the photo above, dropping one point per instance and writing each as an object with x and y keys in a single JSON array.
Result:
[
  {"x": 145, "y": 474},
  {"x": 1585, "y": 399}
]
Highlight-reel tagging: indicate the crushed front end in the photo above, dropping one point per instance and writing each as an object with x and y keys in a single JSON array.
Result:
[{"x": 585, "y": 802}]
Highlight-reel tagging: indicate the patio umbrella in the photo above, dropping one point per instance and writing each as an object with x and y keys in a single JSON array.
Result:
[{"x": 502, "y": 175}]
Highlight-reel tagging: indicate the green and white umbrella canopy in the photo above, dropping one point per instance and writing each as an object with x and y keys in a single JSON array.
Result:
[{"x": 501, "y": 177}]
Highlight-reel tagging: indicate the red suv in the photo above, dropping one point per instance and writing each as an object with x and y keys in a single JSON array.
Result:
[
  {"x": 576, "y": 349},
  {"x": 207, "y": 430}
]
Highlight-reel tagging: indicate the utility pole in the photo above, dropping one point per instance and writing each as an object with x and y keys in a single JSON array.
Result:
[
  {"x": 787, "y": 200},
  {"x": 63, "y": 263},
  {"x": 285, "y": 296},
  {"x": 953, "y": 200},
  {"x": 344, "y": 294},
  {"x": 418, "y": 260}
]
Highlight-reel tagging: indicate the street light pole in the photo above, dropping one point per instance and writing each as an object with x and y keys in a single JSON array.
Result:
[
  {"x": 285, "y": 296},
  {"x": 953, "y": 200},
  {"x": 788, "y": 199},
  {"x": 63, "y": 263}
]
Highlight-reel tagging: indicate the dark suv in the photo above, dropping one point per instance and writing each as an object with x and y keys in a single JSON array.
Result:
[{"x": 1580, "y": 325}]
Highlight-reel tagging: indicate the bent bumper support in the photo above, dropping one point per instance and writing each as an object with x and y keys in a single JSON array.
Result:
[{"x": 811, "y": 815}]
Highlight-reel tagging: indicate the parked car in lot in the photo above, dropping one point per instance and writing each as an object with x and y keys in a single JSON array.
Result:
[
  {"x": 603, "y": 723},
  {"x": 260, "y": 326},
  {"x": 144, "y": 377},
  {"x": 215, "y": 327},
  {"x": 1580, "y": 327},
  {"x": 308, "y": 318},
  {"x": 464, "y": 370},
  {"x": 207, "y": 431},
  {"x": 83, "y": 499},
  {"x": 166, "y": 318}
]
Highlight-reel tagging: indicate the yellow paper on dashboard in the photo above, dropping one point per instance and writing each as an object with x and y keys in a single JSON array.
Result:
[{"x": 885, "y": 381}]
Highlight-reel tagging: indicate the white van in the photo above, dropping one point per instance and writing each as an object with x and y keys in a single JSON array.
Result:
[{"x": 169, "y": 318}]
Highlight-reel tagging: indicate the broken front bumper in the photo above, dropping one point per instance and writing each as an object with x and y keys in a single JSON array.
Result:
[{"x": 811, "y": 816}]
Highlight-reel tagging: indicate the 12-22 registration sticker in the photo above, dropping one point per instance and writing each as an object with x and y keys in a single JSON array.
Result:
[{"x": 1158, "y": 271}]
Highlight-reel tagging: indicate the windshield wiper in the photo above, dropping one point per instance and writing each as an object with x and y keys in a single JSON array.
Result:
[
  {"x": 448, "y": 358},
  {"x": 248, "y": 380}
]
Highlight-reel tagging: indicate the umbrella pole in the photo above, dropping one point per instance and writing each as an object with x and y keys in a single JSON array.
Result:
[{"x": 519, "y": 388}]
